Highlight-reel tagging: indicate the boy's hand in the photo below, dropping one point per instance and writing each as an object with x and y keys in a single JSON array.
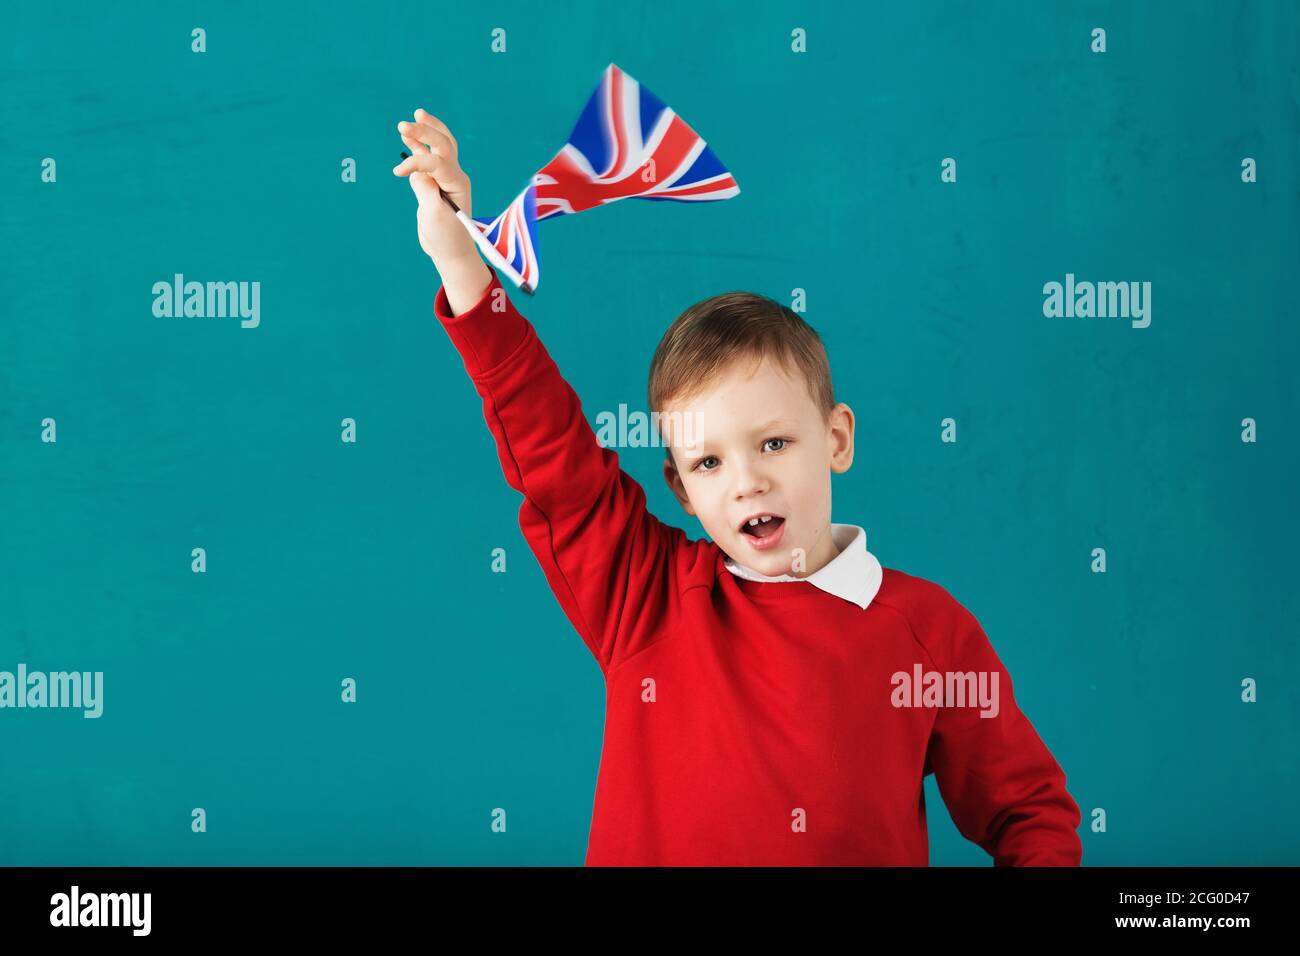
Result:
[{"x": 432, "y": 164}]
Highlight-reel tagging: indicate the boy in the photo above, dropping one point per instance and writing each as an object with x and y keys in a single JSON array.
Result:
[{"x": 773, "y": 696}]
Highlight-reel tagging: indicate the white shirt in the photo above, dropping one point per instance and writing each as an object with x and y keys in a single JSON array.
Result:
[{"x": 854, "y": 574}]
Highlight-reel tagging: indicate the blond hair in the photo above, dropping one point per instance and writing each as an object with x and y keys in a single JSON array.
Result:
[{"x": 712, "y": 334}]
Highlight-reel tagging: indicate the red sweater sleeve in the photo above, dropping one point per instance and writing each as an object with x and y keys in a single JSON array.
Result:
[
  {"x": 608, "y": 560},
  {"x": 1001, "y": 784}
]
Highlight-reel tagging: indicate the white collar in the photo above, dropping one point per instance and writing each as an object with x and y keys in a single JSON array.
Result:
[{"x": 854, "y": 574}]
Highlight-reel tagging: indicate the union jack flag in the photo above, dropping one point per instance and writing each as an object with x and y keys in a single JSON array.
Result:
[{"x": 626, "y": 145}]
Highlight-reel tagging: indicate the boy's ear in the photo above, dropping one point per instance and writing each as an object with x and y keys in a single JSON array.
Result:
[
  {"x": 841, "y": 438},
  {"x": 675, "y": 483}
]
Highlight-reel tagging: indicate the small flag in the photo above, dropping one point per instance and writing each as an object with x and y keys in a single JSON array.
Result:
[{"x": 626, "y": 145}]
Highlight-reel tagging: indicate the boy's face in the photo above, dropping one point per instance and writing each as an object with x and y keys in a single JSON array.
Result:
[{"x": 755, "y": 443}]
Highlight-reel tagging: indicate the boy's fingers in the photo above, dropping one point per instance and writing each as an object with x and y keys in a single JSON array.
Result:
[
  {"x": 418, "y": 148},
  {"x": 425, "y": 188},
  {"x": 420, "y": 159},
  {"x": 428, "y": 119},
  {"x": 427, "y": 164},
  {"x": 446, "y": 172},
  {"x": 425, "y": 144},
  {"x": 413, "y": 161},
  {"x": 436, "y": 140}
]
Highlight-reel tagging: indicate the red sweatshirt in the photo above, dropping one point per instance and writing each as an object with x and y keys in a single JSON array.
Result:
[{"x": 752, "y": 723}]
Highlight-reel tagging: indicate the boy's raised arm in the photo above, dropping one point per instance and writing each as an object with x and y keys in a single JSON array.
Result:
[{"x": 611, "y": 564}]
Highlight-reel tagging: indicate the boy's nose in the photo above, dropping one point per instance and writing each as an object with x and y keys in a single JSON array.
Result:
[{"x": 750, "y": 481}]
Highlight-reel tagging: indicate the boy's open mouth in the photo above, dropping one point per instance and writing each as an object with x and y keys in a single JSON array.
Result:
[{"x": 762, "y": 526}]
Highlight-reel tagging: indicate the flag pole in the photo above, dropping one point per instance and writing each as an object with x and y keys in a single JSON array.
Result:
[
  {"x": 480, "y": 240},
  {"x": 489, "y": 250}
]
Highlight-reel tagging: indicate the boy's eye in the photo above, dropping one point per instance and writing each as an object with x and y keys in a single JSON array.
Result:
[{"x": 782, "y": 442}]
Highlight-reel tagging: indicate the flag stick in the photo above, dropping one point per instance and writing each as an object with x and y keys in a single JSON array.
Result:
[
  {"x": 480, "y": 240},
  {"x": 489, "y": 250}
]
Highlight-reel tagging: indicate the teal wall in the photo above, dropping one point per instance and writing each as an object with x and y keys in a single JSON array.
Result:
[{"x": 371, "y": 560}]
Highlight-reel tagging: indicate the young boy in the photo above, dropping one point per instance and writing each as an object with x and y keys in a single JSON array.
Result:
[{"x": 773, "y": 696}]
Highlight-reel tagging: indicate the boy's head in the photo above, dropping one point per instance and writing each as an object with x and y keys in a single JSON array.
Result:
[{"x": 743, "y": 390}]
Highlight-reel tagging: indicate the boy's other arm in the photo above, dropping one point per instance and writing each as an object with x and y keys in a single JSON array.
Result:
[{"x": 1002, "y": 786}]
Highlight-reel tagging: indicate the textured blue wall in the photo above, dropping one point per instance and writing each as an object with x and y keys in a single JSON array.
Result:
[{"x": 372, "y": 560}]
